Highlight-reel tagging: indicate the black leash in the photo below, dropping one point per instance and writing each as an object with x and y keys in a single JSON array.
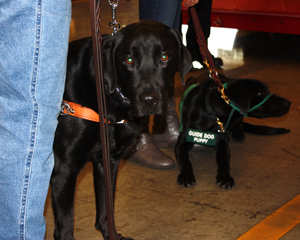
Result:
[{"x": 95, "y": 20}]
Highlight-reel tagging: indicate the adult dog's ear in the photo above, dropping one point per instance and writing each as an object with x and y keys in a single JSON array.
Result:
[
  {"x": 110, "y": 74},
  {"x": 185, "y": 59}
]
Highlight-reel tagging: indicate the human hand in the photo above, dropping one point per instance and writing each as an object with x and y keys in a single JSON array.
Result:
[{"x": 189, "y": 3}]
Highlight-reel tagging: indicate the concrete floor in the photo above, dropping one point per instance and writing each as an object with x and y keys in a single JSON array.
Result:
[{"x": 149, "y": 205}]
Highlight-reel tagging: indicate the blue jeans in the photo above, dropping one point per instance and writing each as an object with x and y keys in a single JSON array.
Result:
[
  {"x": 33, "y": 49},
  {"x": 164, "y": 11}
]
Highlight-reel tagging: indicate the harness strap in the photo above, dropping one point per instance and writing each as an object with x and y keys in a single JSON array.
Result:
[
  {"x": 232, "y": 104},
  {"x": 235, "y": 108},
  {"x": 76, "y": 110},
  {"x": 262, "y": 102}
]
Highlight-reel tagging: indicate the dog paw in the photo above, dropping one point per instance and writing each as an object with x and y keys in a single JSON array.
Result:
[
  {"x": 225, "y": 182},
  {"x": 120, "y": 237},
  {"x": 186, "y": 180}
]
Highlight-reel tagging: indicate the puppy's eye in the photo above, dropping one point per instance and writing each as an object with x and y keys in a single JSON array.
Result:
[
  {"x": 262, "y": 94},
  {"x": 129, "y": 60},
  {"x": 164, "y": 58}
]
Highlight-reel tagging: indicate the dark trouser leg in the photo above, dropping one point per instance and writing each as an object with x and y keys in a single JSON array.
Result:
[
  {"x": 203, "y": 9},
  {"x": 166, "y": 127}
]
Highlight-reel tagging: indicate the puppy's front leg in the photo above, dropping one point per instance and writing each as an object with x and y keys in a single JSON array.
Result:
[
  {"x": 186, "y": 177},
  {"x": 224, "y": 180},
  {"x": 237, "y": 132}
]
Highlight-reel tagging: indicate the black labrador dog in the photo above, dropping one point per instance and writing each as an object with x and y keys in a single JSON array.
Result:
[
  {"x": 140, "y": 62},
  {"x": 204, "y": 113}
]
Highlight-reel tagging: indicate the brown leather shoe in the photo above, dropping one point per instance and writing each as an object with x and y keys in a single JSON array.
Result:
[
  {"x": 147, "y": 154},
  {"x": 168, "y": 137}
]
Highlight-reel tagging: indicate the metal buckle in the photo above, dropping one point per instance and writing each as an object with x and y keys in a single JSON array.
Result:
[
  {"x": 114, "y": 24},
  {"x": 221, "y": 125},
  {"x": 66, "y": 106}
]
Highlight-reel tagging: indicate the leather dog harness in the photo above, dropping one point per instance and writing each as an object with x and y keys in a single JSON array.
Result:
[{"x": 76, "y": 110}]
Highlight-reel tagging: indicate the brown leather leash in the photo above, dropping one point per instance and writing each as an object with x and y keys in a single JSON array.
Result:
[
  {"x": 206, "y": 55},
  {"x": 95, "y": 20}
]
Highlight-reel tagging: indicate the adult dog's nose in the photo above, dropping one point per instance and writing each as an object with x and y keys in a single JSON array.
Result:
[{"x": 149, "y": 99}]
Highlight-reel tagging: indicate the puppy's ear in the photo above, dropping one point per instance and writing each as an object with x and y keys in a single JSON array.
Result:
[
  {"x": 239, "y": 94},
  {"x": 185, "y": 59},
  {"x": 243, "y": 104},
  {"x": 110, "y": 74}
]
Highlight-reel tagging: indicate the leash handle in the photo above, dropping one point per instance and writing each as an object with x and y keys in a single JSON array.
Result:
[
  {"x": 206, "y": 55},
  {"x": 95, "y": 19}
]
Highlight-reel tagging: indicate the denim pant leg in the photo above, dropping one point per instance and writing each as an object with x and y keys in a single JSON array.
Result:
[
  {"x": 33, "y": 49},
  {"x": 164, "y": 11}
]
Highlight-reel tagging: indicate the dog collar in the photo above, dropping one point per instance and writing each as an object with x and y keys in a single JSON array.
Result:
[
  {"x": 235, "y": 108},
  {"x": 76, "y": 110},
  {"x": 232, "y": 104}
]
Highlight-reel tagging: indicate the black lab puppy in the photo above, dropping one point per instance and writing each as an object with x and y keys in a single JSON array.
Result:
[
  {"x": 204, "y": 111},
  {"x": 140, "y": 62}
]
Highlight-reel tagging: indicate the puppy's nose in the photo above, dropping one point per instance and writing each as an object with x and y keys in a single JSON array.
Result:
[{"x": 149, "y": 99}]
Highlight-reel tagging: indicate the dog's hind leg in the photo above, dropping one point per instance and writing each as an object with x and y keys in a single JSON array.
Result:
[
  {"x": 63, "y": 183},
  {"x": 224, "y": 180},
  {"x": 99, "y": 184},
  {"x": 186, "y": 177}
]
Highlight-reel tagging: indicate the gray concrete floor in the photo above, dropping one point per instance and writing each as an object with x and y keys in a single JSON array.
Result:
[{"x": 149, "y": 205}]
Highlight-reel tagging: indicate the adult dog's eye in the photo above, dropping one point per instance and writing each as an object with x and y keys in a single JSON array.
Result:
[
  {"x": 164, "y": 58},
  {"x": 129, "y": 60}
]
